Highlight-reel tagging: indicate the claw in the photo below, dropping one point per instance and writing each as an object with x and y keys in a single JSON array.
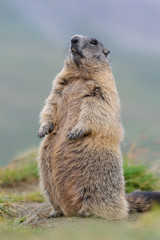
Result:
[
  {"x": 55, "y": 214},
  {"x": 76, "y": 133},
  {"x": 44, "y": 130}
]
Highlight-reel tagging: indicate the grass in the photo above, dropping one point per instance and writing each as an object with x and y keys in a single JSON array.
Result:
[
  {"x": 140, "y": 177},
  {"x": 26, "y": 197},
  {"x": 22, "y": 169},
  {"x": 7, "y": 211}
]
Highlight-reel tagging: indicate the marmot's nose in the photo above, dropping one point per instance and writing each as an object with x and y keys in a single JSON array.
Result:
[{"x": 74, "y": 39}]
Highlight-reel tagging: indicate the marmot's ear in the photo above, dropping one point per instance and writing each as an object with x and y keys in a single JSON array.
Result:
[{"x": 106, "y": 51}]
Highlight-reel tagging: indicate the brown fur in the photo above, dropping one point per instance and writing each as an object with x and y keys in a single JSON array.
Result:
[{"x": 80, "y": 160}]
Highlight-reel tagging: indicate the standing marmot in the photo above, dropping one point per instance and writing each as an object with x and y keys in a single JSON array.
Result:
[{"x": 80, "y": 159}]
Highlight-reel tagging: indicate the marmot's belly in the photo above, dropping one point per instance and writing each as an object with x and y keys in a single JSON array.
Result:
[{"x": 79, "y": 168}]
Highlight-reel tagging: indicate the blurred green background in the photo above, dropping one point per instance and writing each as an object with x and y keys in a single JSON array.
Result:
[{"x": 34, "y": 39}]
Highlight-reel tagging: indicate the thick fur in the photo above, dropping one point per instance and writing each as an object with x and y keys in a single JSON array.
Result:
[
  {"x": 142, "y": 201},
  {"x": 80, "y": 160}
]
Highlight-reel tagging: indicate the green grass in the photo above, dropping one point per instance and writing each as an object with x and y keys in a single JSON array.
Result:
[
  {"x": 23, "y": 168},
  {"x": 7, "y": 211},
  {"x": 139, "y": 177},
  {"x": 26, "y": 197}
]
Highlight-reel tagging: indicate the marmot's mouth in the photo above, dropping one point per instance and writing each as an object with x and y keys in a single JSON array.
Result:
[{"x": 75, "y": 51}]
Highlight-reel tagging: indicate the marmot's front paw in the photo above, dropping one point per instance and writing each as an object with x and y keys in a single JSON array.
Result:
[
  {"x": 76, "y": 133},
  {"x": 44, "y": 130}
]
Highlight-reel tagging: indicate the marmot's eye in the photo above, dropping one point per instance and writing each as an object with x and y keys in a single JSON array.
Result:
[{"x": 94, "y": 42}]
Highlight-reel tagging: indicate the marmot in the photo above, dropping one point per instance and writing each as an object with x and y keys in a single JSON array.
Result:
[{"x": 80, "y": 160}]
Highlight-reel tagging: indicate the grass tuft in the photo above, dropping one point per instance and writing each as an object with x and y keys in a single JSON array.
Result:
[
  {"x": 7, "y": 211},
  {"x": 139, "y": 177}
]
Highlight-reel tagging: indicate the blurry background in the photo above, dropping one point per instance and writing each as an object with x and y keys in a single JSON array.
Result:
[{"x": 34, "y": 38}]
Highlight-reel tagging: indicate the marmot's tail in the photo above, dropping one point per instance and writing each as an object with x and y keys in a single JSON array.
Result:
[{"x": 142, "y": 201}]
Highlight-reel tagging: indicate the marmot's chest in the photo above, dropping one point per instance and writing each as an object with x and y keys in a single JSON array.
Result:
[
  {"x": 70, "y": 101},
  {"x": 75, "y": 90},
  {"x": 72, "y": 96}
]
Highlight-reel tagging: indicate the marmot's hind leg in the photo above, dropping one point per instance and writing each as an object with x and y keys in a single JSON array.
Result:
[
  {"x": 46, "y": 181},
  {"x": 84, "y": 211},
  {"x": 56, "y": 213}
]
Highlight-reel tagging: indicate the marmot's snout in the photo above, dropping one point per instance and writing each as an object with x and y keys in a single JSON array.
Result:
[
  {"x": 75, "y": 44},
  {"x": 76, "y": 48}
]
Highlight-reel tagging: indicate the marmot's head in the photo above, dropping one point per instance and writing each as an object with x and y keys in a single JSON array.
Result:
[{"x": 86, "y": 51}]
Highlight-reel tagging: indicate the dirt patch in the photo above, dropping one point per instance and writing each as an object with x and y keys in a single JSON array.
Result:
[{"x": 37, "y": 215}]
